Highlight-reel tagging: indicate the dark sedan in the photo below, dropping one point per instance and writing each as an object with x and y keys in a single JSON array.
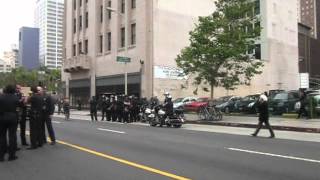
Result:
[
  {"x": 284, "y": 102},
  {"x": 247, "y": 104}
]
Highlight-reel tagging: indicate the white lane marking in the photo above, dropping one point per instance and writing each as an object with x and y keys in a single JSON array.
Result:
[
  {"x": 57, "y": 122},
  {"x": 110, "y": 130},
  {"x": 275, "y": 155}
]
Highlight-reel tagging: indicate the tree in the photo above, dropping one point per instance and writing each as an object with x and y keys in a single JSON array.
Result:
[{"x": 219, "y": 45}]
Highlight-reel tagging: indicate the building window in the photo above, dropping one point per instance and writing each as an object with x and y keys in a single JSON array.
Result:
[
  {"x": 123, "y": 6},
  {"x": 87, "y": 19},
  {"x": 80, "y": 3},
  {"x": 100, "y": 43},
  {"x": 87, "y": 1},
  {"x": 86, "y": 46},
  {"x": 123, "y": 37},
  {"x": 80, "y": 22},
  {"x": 101, "y": 13},
  {"x": 74, "y": 25},
  {"x": 109, "y": 12},
  {"x": 74, "y": 4},
  {"x": 257, "y": 7},
  {"x": 257, "y": 50},
  {"x": 80, "y": 48},
  {"x": 133, "y": 4},
  {"x": 109, "y": 41},
  {"x": 74, "y": 50},
  {"x": 133, "y": 34}
]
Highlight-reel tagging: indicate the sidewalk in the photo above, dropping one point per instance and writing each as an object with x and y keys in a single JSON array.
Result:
[{"x": 277, "y": 123}]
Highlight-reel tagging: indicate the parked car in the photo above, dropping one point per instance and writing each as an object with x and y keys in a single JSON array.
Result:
[
  {"x": 229, "y": 106},
  {"x": 317, "y": 100},
  {"x": 180, "y": 102},
  {"x": 221, "y": 100},
  {"x": 283, "y": 102},
  {"x": 195, "y": 106},
  {"x": 247, "y": 104}
]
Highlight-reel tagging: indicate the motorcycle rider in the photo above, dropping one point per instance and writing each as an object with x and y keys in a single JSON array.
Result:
[{"x": 168, "y": 106}]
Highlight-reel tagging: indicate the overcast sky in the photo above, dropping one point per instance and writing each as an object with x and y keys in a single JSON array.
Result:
[{"x": 13, "y": 15}]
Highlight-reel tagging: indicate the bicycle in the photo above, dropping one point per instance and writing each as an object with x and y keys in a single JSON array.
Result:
[{"x": 209, "y": 113}]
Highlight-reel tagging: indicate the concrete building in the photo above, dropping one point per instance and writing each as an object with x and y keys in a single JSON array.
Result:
[
  {"x": 5, "y": 66},
  {"x": 29, "y": 48},
  {"x": 12, "y": 57},
  {"x": 49, "y": 19},
  {"x": 157, "y": 30},
  {"x": 309, "y": 40}
]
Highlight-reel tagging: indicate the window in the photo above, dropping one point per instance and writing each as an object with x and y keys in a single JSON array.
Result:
[
  {"x": 100, "y": 43},
  {"x": 74, "y": 4},
  {"x": 257, "y": 50},
  {"x": 80, "y": 3},
  {"x": 109, "y": 12},
  {"x": 86, "y": 1},
  {"x": 74, "y": 25},
  {"x": 101, "y": 13},
  {"x": 123, "y": 37},
  {"x": 87, "y": 19},
  {"x": 109, "y": 41},
  {"x": 133, "y": 34},
  {"x": 133, "y": 4},
  {"x": 80, "y": 22},
  {"x": 257, "y": 7},
  {"x": 74, "y": 50},
  {"x": 86, "y": 46},
  {"x": 80, "y": 48},
  {"x": 123, "y": 6}
]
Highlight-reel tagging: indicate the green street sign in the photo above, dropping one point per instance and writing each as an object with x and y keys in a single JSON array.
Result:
[{"x": 123, "y": 59}]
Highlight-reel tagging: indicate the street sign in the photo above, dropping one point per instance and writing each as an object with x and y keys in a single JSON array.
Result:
[
  {"x": 304, "y": 80},
  {"x": 123, "y": 59}
]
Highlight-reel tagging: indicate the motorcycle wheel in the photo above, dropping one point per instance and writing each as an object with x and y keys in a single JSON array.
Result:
[{"x": 177, "y": 125}]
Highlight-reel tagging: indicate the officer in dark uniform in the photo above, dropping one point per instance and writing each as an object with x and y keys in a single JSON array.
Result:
[
  {"x": 48, "y": 110},
  {"x": 126, "y": 110},
  {"x": 22, "y": 115},
  {"x": 120, "y": 108},
  {"x": 168, "y": 106},
  {"x": 113, "y": 108},
  {"x": 9, "y": 103},
  {"x": 103, "y": 107},
  {"x": 108, "y": 109},
  {"x": 36, "y": 118},
  {"x": 93, "y": 108}
]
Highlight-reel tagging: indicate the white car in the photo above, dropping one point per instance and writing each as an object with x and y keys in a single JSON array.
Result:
[{"x": 180, "y": 102}]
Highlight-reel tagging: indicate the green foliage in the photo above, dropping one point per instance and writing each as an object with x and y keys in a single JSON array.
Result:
[
  {"x": 49, "y": 78},
  {"x": 217, "y": 54}
]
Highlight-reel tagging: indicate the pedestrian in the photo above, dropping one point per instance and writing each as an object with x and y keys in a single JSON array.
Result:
[
  {"x": 302, "y": 100},
  {"x": 9, "y": 103},
  {"x": 22, "y": 115},
  {"x": 79, "y": 104},
  {"x": 103, "y": 107},
  {"x": 126, "y": 110},
  {"x": 36, "y": 119},
  {"x": 93, "y": 108},
  {"x": 48, "y": 110},
  {"x": 113, "y": 108},
  {"x": 263, "y": 115},
  {"x": 108, "y": 109},
  {"x": 60, "y": 104}
]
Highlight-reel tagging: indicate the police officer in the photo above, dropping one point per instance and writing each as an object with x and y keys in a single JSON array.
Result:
[
  {"x": 36, "y": 118},
  {"x": 93, "y": 108},
  {"x": 113, "y": 108},
  {"x": 103, "y": 107},
  {"x": 108, "y": 109},
  {"x": 47, "y": 110},
  {"x": 126, "y": 110},
  {"x": 120, "y": 108},
  {"x": 168, "y": 106},
  {"x": 22, "y": 115},
  {"x": 9, "y": 103}
]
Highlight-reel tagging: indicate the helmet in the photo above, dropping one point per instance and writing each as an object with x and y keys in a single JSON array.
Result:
[
  {"x": 166, "y": 94},
  {"x": 169, "y": 97}
]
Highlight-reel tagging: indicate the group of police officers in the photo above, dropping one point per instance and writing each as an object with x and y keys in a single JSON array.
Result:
[{"x": 15, "y": 109}]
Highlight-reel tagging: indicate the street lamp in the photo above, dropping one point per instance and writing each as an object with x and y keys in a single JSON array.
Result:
[{"x": 126, "y": 41}]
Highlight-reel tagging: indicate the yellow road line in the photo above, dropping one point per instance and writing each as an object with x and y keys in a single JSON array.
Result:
[
  {"x": 146, "y": 168},
  {"x": 139, "y": 166}
]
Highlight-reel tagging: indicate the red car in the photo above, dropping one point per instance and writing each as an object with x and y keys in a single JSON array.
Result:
[{"x": 195, "y": 106}]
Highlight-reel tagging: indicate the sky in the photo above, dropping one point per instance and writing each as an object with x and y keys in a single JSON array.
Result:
[{"x": 13, "y": 15}]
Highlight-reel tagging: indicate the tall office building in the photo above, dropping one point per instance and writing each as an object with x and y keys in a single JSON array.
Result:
[
  {"x": 49, "y": 19},
  {"x": 29, "y": 48},
  {"x": 309, "y": 13},
  {"x": 152, "y": 33}
]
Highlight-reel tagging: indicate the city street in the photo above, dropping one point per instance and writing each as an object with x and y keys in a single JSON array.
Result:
[{"x": 104, "y": 150}]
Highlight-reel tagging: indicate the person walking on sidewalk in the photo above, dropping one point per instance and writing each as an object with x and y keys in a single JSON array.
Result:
[
  {"x": 303, "y": 99},
  {"x": 263, "y": 115}
]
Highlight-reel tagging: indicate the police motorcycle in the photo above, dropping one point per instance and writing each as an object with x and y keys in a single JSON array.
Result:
[{"x": 158, "y": 114}]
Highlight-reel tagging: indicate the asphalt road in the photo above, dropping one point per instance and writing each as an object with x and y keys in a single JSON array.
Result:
[{"x": 103, "y": 150}]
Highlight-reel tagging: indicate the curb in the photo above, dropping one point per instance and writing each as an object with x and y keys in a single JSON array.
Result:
[{"x": 281, "y": 128}]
